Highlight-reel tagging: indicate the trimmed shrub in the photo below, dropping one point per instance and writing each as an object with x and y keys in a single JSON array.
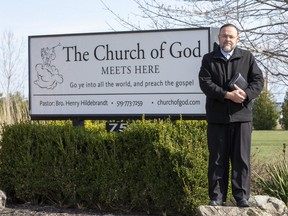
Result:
[{"x": 153, "y": 166}]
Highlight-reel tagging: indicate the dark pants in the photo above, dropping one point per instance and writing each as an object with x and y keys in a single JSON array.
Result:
[{"x": 229, "y": 142}]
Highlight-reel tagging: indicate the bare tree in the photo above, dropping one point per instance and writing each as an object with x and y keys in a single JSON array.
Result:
[
  {"x": 12, "y": 75},
  {"x": 263, "y": 25},
  {"x": 12, "y": 79}
]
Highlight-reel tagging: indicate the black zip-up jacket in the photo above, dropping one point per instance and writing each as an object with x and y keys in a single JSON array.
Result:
[{"x": 214, "y": 75}]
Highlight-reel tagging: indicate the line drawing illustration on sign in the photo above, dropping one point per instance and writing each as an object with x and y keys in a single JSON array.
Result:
[{"x": 48, "y": 75}]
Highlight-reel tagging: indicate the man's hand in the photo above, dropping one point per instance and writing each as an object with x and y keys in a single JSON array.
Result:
[{"x": 237, "y": 95}]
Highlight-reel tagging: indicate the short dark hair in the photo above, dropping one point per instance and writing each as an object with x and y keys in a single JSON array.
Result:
[{"x": 231, "y": 25}]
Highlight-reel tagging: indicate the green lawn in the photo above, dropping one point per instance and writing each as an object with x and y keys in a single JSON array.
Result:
[{"x": 267, "y": 145}]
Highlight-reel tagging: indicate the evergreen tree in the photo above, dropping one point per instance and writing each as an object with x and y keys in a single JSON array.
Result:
[
  {"x": 265, "y": 114},
  {"x": 284, "y": 120}
]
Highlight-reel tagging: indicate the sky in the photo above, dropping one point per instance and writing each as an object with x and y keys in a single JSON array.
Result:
[
  {"x": 45, "y": 17},
  {"x": 38, "y": 17}
]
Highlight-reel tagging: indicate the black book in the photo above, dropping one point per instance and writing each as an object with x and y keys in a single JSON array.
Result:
[{"x": 239, "y": 81}]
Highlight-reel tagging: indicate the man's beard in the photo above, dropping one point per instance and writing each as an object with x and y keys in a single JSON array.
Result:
[{"x": 227, "y": 48}]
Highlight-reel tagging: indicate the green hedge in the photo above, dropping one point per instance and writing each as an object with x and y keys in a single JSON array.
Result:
[{"x": 153, "y": 166}]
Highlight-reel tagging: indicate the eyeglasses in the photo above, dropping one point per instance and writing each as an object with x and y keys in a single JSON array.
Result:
[{"x": 228, "y": 37}]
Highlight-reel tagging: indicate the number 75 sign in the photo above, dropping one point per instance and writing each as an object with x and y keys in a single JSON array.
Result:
[{"x": 115, "y": 126}]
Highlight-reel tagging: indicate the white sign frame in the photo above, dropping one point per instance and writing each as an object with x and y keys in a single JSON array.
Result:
[{"x": 118, "y": 75}]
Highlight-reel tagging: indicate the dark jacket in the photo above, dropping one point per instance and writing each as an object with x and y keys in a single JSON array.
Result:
[{"x": 214, "y": 75}]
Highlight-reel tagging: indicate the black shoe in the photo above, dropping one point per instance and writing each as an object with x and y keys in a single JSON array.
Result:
[
  {"x": 216, "y": 203},
  {"x": 243, "y": 203}
]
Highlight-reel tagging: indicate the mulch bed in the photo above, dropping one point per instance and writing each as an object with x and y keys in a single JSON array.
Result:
[{"x": 27, "y": 210}]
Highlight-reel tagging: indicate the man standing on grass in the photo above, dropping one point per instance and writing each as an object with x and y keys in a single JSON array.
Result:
[{"x": 229, "y": 116}]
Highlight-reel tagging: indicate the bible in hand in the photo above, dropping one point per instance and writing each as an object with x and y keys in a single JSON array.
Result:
[{"x": 239, "y": 81}]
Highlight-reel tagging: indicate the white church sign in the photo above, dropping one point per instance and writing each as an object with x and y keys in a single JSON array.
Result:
[{"x": 118, "y": 75}]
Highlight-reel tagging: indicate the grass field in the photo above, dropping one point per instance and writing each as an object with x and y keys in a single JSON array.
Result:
[{"x": 267, "y": 146}]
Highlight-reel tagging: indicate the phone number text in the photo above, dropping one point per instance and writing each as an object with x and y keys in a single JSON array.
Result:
[{"x": 129, "y": 103}]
